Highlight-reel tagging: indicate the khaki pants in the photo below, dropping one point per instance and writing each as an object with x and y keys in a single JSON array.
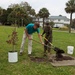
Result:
[{"x": 29, "y": 43}]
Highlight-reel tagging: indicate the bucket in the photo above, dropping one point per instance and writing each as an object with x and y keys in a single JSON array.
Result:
[
  {"x": 70, "y": 49},
  {"x": 12, "y": 57}
]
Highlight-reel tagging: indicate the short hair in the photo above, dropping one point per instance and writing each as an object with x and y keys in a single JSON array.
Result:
[
  {"x": 37, "y": 24},
  {"x": 47, "y": 23}
]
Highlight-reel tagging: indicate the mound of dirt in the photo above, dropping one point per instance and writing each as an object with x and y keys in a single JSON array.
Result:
[{"x": 64, "y": 58}]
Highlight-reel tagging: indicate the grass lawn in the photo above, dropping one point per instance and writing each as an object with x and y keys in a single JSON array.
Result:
[{"x": 25, "y": 66}]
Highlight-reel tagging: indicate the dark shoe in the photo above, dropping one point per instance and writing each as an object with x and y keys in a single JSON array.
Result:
[{"x": 21, "y": 53}]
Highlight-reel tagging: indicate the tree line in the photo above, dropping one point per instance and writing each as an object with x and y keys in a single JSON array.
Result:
[
  {"x": 22, "y": 14},
  {"x": 19, "y": 14}
]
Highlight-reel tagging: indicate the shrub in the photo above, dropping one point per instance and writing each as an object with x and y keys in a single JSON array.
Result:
[{"x": 64, "y": 28}]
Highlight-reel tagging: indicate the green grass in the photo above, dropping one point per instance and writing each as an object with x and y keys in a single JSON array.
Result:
[{"x": 25, "y": 66}]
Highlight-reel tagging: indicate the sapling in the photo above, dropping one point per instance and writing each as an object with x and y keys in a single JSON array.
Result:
[{"x": 13, "y": 38}]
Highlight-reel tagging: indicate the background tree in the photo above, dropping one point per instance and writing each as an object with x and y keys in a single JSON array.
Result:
[
  {"x": 13, "y": 6},
  {"x": 3, "y": 17},
  {"x": 37, "y": 16},
  {"x": 29, "y": 10},
  {"x": 44, "y": 13},
  {"x": 16, "y": 16},
  {"x": 22, "y": 13},
  {"x": 32, "y": 12},
  {"x": 1, "y": 12},
  {"x": 52, "y": 24},
  {"x": 70, "y": 8}
]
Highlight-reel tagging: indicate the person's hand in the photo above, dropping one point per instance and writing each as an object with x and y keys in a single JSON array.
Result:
[
  {"x": 42, "y": 43},
  {"x": 41, "y": 35},
  {"x": 29, "y": 38}
]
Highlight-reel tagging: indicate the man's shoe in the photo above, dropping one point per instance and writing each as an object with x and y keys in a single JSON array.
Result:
[{"x": 21, "y": 53}]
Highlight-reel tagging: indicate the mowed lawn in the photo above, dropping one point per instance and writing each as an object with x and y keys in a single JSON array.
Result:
[{"x": 25, "y": 66}]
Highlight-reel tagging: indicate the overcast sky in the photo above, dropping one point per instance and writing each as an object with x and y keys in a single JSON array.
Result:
[{"x": 55, "y": 7}]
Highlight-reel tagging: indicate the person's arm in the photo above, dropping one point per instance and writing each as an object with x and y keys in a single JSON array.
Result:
[
  {"x": 40, "y": 37},
  {"x": 28, "y": 34}
]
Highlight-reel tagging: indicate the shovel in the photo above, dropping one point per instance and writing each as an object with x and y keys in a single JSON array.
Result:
[{"x": 56, "y": 49}]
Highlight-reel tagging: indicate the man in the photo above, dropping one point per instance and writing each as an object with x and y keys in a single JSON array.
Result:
[
  {"x": 30, "y": 29},
  {"x": 48, "y": 35}
]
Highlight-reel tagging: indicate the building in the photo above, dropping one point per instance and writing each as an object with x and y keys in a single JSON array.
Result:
[{"x": 59, "y": 21}]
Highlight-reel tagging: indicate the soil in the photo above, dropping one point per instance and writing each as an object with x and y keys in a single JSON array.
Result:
[
  {"x": 38, "y": 59},
  {"x": 42, "y": 59},
  {"x": 64, "y": 58}
]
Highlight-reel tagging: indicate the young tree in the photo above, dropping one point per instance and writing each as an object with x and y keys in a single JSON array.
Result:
[
  {"x": 44, "y": 13},
  {"x": 70, "y": 8}
]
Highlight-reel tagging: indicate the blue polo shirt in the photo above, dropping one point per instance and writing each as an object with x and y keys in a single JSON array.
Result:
[{"x": 31, "y": 30}]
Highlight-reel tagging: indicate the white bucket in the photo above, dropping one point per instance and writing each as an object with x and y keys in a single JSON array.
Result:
[
  {"x": 12, "y": 57},
  {"x": 70, "y": 49}
]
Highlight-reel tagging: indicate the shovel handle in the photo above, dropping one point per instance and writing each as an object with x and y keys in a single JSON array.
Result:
[
  {"x": 48, "y": 41},
  {"x": 36, "y": 41},
  {"x": 40, "y": 43}
]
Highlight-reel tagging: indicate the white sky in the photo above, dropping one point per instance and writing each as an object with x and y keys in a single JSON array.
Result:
[{"x": 55, "y": 7}]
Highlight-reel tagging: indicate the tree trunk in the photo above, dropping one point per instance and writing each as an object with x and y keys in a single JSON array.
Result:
[
  {"x": 43, "y": 22},
  {"x": 70, "y": 23},
  {"x": 22, "y": 22},
  {"x": 38, "y": 19}
]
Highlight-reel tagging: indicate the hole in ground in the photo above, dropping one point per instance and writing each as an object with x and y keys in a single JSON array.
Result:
[
  {"x": 38, "y": 59},
  {"x": 52, "y": 58}
]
